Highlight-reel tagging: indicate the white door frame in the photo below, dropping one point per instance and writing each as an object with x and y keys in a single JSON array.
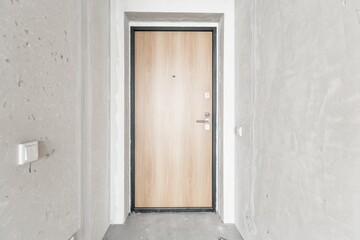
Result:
[{"x": 120, "y": 191}]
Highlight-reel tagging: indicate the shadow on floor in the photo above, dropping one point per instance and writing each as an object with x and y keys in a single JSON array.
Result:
[{"x": 173, "y": 226}]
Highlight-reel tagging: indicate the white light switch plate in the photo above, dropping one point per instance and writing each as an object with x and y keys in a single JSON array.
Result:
[
  {"x": 28, "y": 152},
  {"x": 239, "y": 131}
]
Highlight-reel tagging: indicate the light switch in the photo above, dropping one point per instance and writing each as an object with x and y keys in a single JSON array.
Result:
[
  {"x": 28, "y": 152},
  {"x": 239, "y": 131}
]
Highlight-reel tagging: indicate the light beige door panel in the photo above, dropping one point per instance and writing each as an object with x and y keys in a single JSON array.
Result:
[{"x": 173, "y": 153}]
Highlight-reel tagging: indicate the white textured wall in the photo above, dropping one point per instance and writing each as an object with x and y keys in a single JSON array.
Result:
[
  {"x": 99, "y": 111},
  {"x": 244, "y": 85},
  {"x": 119, "y": 187},
  {"x": 39, "y": 76},
  {"x": 305, "y": 157},
  {"x": 46, "y": 48}
]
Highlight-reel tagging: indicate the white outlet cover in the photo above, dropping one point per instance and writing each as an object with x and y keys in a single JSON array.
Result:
[{"x": 28, "y": 152}]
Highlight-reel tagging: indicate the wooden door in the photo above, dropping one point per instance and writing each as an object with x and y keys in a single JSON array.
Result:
[{"x": 172, "y": 137}]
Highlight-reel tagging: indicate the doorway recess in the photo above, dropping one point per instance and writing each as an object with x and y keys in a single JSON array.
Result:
[{"x": 162, "y": 196}]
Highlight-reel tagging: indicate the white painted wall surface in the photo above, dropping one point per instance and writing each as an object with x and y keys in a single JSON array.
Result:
[
  {"x": 97, "y": 90},
  {"x": 39, "y": 77},
  {"x": 244, "y": 98},
  {"x": 119, "y": 185},
  {"x": 304, "y": 164}
]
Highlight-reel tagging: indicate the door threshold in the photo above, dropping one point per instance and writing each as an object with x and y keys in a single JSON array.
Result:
[{"x": 172, "y": 210}]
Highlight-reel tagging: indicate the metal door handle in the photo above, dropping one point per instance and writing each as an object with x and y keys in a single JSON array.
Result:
[{"x": 203, "y": 121}]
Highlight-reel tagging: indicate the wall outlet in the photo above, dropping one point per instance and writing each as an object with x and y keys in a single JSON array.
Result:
[{"x": 239, "y": 131}]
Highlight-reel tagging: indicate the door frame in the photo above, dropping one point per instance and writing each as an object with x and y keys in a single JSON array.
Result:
[{"x": 134, "y": 29}]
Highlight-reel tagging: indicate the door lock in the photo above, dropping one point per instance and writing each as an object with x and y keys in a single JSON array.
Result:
[{"x": 206, "y": 120}]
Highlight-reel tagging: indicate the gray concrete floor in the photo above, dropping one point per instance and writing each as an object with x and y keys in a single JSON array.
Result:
[{"x": 173, "y": 226}]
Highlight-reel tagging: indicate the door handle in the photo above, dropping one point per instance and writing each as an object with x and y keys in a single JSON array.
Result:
[{"x": 203, "y": 121}]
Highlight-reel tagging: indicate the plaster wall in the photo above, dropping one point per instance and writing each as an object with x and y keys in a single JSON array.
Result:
[
  {"x": 54, "y": 67},
  {"x": 39, "y": 82},
  {"x": 120, "y": 198},
  {"x": 244, "y": 107},
  {"x": 303, "y": 166},
  {"x": 96, "y": 119}
]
